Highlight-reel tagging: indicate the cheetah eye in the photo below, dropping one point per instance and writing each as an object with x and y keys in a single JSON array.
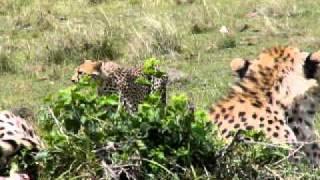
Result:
[{"x": 80, "y": 72}]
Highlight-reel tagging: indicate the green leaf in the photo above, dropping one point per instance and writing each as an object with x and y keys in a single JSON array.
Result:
[
  {"x": 42, "y": 155},
  {"x": 150, "y": 67},
  {"x": 142, "y": 80}
]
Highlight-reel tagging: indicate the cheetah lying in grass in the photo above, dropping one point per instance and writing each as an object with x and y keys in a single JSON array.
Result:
[{"x": 16, "y": 134}]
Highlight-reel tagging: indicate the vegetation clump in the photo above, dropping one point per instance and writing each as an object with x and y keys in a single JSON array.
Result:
[{"x": 91, "y": 136}]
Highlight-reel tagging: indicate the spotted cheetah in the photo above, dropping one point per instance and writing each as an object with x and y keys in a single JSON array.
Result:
[
  {"x": 17, "y": 133},
  {"x": 260, "y": 99},
  {"x": 115, "y": 78},
  {"x": 301, "y": 116}
]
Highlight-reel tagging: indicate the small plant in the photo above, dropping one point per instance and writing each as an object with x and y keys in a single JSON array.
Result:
[
  {"x": 109, "y": 46},
  {"x": 6, "y": 64},
  {"x": 150, "y": 69},
  {"x": 227, "y": 42}
]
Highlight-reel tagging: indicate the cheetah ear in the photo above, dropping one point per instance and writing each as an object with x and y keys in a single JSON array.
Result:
[
  {"x": 239, "y": 66},
  {"x": 311, "y": 64},
  {"x": 98, "y": 65}
]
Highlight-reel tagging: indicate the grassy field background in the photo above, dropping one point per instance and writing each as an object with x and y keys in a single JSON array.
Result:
[{"x": 41, "y": 41}]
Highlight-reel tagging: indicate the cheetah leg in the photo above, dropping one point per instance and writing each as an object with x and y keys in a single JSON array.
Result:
[
  {"x": 301, "y": 120},
  {"x": 287, "y": 136},
  {"x": 308, "y": 142},
  {"x": 312, "y": 147}
]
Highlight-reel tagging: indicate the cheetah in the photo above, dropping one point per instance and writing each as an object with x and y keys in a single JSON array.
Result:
[
  {"x": 122, "y": 80},
  {"x": 301, "y": 116},
  {"x": 17, "y": 133},
  {"x": 260, "y": 99}
]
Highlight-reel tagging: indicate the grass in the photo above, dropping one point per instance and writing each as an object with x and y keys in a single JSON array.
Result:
[
  {"x": 55, "y": 36},
  {"x": 58, "y": 35}
]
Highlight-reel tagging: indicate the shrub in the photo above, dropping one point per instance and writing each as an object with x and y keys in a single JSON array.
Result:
[
  {"x": 153, "y": 141},
  {"x": 90, "y": 136}
]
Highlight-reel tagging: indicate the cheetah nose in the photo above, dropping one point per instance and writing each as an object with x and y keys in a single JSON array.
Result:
[{"x": 73, "y": 80}]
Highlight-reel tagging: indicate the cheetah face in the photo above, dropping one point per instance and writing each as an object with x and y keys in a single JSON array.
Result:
[
  {"x": 240, "y": 66},
  {"x": 95, "y": 69},
  {"x": 91, "y": 68}
]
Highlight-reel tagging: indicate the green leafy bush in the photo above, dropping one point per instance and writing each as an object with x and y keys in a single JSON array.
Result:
[
  {"x": 155, "y": 140},
  {"x": 90, "y": 136}
]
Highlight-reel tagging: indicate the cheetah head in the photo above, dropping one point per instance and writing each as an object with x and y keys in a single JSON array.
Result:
[
  {"x": 88, "y": 67},
  {"x": 95, "y": 69},
  {"x": 240, "y": 66},
  {"x": 289, "y": 71}
]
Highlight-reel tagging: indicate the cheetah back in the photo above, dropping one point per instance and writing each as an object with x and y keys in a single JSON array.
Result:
[{"x": 259, "y": 100}]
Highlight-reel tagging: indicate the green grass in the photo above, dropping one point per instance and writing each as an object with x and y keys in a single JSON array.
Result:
[{"x": 58, "y": 35}]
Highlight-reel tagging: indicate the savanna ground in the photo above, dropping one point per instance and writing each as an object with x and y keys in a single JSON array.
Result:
[{"x": 41, "y": 41}]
